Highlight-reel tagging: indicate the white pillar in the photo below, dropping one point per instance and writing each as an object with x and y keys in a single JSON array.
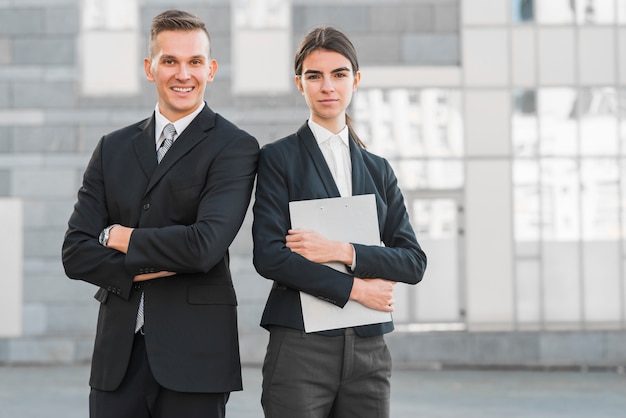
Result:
[{"x": 11, "y": 258}]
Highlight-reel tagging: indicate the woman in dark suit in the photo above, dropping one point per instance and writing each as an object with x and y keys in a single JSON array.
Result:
[{"x": 339, "y": 372}]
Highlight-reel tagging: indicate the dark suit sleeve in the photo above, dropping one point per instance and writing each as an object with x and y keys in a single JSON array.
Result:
[
  {"x": 222, "y": 206},
  {"x": 401, "y": 259},
  {"x": 272, "y": 259},
  {"x": 82, "y": 255}
]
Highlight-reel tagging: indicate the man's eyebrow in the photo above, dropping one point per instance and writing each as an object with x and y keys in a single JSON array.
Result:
[{"x": 172, "y": 57}]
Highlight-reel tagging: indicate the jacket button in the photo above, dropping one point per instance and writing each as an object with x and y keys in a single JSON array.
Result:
[{"x": 146, "y": 206}]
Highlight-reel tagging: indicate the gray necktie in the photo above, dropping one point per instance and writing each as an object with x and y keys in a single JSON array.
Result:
[{"x": 169, "y": 132}]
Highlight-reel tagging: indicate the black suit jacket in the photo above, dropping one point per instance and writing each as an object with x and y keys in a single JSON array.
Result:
[
  {"x": 187, "y": 211},
  {"x": 294, "y": 168}
]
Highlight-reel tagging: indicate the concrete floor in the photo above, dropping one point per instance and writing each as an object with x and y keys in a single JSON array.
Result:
[{"x": 61, "y": 392}]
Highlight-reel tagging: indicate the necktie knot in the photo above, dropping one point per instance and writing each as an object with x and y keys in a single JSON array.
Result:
[{"x": 169, "y": 132}]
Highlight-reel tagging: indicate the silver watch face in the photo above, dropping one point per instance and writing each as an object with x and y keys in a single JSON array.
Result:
[{"x": 101, "y": 237}]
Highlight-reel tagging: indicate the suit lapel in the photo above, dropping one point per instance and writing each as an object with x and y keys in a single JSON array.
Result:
[
  {"x": 310, "y": 144},
  {"x": 145, "y": 148},
  {"x": 362, "y": 182},
  {"x": 196, "y": 132}
]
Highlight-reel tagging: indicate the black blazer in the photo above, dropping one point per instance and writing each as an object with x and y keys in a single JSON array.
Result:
[
  {"x": 294, "y": 168},
  {"x": 187, "y": 211}
]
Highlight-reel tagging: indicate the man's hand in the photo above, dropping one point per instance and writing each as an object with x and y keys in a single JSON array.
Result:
[
  {"x": 314, "y": 247},
  {"x": 373, "y": 293},
  {"x": 119, "y": 238},
  {"x": 150, "y": 276}
]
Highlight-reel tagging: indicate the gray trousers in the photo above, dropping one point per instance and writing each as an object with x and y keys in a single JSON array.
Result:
[{"x": 316, "y": 376}]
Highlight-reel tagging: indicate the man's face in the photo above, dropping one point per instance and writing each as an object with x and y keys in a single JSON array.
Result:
[{"x": 181, "y": 69}]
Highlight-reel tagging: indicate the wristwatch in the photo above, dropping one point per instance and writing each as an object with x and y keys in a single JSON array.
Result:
[{"x": 104, "y": 235}]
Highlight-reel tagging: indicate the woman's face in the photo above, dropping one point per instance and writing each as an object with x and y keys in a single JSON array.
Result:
[{"x": 327, "y": 83}]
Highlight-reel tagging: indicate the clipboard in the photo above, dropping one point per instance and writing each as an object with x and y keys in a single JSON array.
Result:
[{"x": 349, "y": 219}]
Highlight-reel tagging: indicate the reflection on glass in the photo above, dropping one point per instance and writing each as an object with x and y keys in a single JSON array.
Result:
[
  {"x": 528, "y": 291},
  {"x": 526, "y": 201},
  {"x": 261, "y": 14},
  {"x": 622, "y": 205},
  {"x": 429, "y": 174},
  {"x": 579, "y": 11},
  {"x": 434, "y": 218},
  {"x": 560, "y": 198},
  {"x": 524, "y": 127},
  {"x": 435, "y": 223},
  {"x": 406, "y": 123},
  {"x": 523, "y": 10},
  {"x": 598, "y": 121},
  {"x": 621, "y": 12},
  {"x": 110, "y": 15},
  {"x": 595, "y": 11},
  {"x": 557, "y": 114},
  {"x": 621, "y": 115},
  {"x": 600, "y": 199},
  {"x": 555, "y": 11}
]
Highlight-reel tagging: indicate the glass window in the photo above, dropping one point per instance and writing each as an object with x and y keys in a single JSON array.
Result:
[
  {"x": 528, "y": 291},
  {"x": 526, "y": 203},
  {"x": 621, "y": 12},
  {"x": 409, "y": 123},
  {"x": 524, "y": 125},
  {"x": 621, "y": 115},
  {"x": 555, "y": 11},
  {"x": 560, "y": 199},
  {"x": 435, "y": 221},
  {"x": 598, "y": 111},
  {"x": 523, "y": 10},
  {"x": 579, "y": 11},
  {"x": 600, "y": 181},
  {"x": 561, "y": 273},
  {"x": 596, "y": 11},
  {"x": 262, "y": 14},
  {"x": 109, "y": 15},
  {"x": 429, "y": 174},
  {"x": 110, "y": 29},
  {"x": 257, "y": 24},
  {"x": 556, "y": 108}
]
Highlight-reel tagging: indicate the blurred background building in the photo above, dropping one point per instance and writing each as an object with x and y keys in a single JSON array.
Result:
[{"x": 505, "y": 121}]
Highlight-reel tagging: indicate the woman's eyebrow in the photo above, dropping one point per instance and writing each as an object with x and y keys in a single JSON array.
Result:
[{"x": 336, "y": 70}]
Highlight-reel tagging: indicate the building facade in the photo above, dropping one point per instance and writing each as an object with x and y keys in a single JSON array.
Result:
[{"x": 503, "y": 119}]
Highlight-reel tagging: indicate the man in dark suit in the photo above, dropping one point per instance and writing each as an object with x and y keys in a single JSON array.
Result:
[{"x": 151, "y": 228}]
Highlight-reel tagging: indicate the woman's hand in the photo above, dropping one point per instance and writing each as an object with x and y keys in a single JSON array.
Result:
[
  {"x": 314, "y": 247},
  {"x": 373, "y": 293}
]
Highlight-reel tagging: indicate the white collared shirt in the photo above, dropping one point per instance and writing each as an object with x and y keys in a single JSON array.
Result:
[
  {"x": 181, "y": 124},
  {"x": 340, "y": 168},
  {"x": 344, "y": 183}
]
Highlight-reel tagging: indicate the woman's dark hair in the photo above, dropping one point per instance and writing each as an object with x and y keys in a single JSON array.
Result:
[{"x": 330, "y": 39}]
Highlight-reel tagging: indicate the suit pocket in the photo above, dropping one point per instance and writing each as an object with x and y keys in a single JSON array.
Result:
[
  {"x": 101, "y": 295},
  {"x": 186, "y": 184},
  {"x": 213, "y": 294}
]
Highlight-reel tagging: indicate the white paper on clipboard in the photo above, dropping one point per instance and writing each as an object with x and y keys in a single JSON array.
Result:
[{"x": 349, "y": 219}]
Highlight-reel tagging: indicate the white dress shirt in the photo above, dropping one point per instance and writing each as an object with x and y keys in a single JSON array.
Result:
[
  {"x": 336, "y": 151},
  {"x": 181, "y": 124}
]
